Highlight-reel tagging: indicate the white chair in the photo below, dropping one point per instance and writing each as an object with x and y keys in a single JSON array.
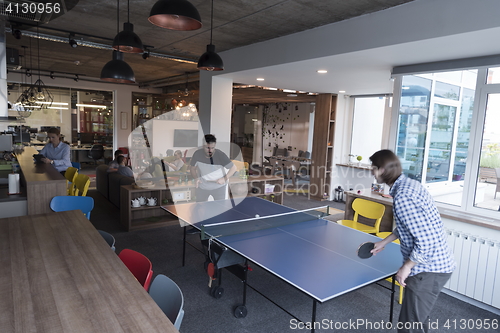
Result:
[{"x": 167, "y": 294}]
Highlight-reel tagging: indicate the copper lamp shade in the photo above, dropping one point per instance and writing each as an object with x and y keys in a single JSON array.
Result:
[{"x": 175, "y": 15}]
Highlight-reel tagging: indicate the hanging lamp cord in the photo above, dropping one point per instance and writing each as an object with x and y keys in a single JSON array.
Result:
[{"x": 211, "y": 21}]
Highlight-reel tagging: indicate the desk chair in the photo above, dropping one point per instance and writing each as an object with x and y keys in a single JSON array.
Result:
[
  {"x": 96, "y": 152},
  {"x": 293, "y": 168},
  {"x": 167, "y": 294},
  {"x": 63, "y": 203},
  {"x": 70, "y": 176},
  {"x": 107, "y": 237},
  {"x": 82, "y": 183},
  {"x": 368, "y": 209},
  {"x": 77, "y": 165},
  {"x": 401, "y": 288},
  {"x": 139, "y": 265},
  {"x": 275, "y": 165}
]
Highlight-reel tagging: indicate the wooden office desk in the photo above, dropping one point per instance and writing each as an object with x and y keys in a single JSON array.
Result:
[
  {"x": 59, "y": 275},
  {"x": 41, "y": 181}
]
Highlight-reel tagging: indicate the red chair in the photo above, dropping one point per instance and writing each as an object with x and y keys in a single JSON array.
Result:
[{"x": 139, "y": 265}]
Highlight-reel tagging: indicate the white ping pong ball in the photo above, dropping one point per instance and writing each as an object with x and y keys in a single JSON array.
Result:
[{"x": 257, "y": 215}]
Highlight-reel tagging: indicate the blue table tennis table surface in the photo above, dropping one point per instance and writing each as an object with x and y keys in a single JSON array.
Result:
[{"x": 318, "y": 256}]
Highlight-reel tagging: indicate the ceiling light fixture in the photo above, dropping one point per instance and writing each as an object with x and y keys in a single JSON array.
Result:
[
  {"x": 117, "y": 70},
  {"x": 126, "y": 40},
  {"x": 260, "y": 79},
  {"x": 146, "y": 54},
  {"x": 322, "y": 71},
  {"x": 211, "y": 61},
  {"x": 92, "y": 106},
  {"x": 72, "y": 42},
  {"x": 175, "y": 15},
  {"x": 342, "y": 91}
]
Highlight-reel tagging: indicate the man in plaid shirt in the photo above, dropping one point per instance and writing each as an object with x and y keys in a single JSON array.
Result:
[{"x": 428, "y": 262}]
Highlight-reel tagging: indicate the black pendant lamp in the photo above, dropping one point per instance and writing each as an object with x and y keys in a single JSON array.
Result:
[
  {"x": 175, "y": 15},
  {"x": 211, "y": 61},
  {"x": 117, "y": 70},
  {"x": 126, "y": 40}
]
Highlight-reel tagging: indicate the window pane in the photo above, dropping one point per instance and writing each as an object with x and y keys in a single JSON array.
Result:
[
  {"x": 446, "y": 90},
  {"x": 438, "y": 164},
  {"x": 493, "y": 75},
  {"x": 413, "y": 114},
  {"x": 489, "y": 165},
  {"x": 463, "y": 135},
  {"x": 367, "y": 123}
]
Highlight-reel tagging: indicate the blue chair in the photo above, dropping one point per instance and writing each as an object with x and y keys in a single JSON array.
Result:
[
  {"x": 76, "y": 165},
  {"x": 167, "y": 294},
  {"x": 68, "y": 202},
  {"x": 108, "y": 238}
]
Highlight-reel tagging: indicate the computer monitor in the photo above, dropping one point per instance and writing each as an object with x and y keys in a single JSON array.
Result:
[
  {"x": 86, "y": 138},
  {"x": 33, "y": 130},
  {"x": 6, "y": 142}
]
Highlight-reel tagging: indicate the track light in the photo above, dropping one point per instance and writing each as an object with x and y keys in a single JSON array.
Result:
[
  {"x": 76, "y": 78},
  {"x": 145, "y": 55},
  {"x": 16, "y": 33},
  {"x": 72, "y": 42},
  {"x": 52, "y": 75}
]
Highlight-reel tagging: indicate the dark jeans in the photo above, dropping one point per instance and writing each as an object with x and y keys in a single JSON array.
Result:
[{"x": 421, "y": 293}]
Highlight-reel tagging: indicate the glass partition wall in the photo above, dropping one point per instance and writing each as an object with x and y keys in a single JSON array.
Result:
[{"x": 83, "y": 116}]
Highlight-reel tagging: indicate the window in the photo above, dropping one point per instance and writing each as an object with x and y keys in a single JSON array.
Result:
[
  {"x": 434, "y": 126},
  {"x": 367, "y": 123}
]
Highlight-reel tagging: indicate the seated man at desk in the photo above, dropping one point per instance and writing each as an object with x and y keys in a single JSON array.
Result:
[{"x": 56, "y": 152}]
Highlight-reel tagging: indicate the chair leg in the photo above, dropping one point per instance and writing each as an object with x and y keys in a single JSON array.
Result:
[{"x": 401, "y": 289}]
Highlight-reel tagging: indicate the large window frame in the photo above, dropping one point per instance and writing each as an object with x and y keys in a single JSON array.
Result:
[{"x": 482, "y": 90}]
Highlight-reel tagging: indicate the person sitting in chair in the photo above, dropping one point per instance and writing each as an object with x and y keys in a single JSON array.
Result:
[
  {"x": 114, "y": 165},
  {"x": 123, "y": 169},
  {"x": 177, "y": 164}
]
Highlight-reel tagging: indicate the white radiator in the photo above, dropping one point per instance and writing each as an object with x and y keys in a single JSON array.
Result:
[{"x": 478, "y": 263}]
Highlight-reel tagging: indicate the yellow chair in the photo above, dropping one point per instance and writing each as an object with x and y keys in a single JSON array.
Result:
[
  {"x": 82, "y": 183},
  {"x": 70, "y": 175},
  {"x": 401, "y": 288},
  {"x": 366, "y": 208}
]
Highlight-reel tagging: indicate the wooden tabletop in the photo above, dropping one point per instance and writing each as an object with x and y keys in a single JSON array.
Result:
[{"x": 59, "y": 275}]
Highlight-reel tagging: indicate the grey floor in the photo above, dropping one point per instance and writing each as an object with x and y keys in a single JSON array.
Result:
[{"x": 368, "y": 307}]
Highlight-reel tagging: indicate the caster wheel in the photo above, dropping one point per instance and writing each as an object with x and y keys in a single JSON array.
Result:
[
  {"x": 217, "y": 292},
  {"x": 240, "y": 311}
]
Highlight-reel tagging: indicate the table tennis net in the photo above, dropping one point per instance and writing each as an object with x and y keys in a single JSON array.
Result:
[{"x": 262, "y": 222}]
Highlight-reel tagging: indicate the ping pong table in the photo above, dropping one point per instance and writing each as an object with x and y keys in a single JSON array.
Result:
[{"x": 316, "y": 256}]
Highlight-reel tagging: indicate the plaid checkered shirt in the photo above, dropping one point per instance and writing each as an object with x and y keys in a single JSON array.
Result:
[{"x": 419, "y": 228}]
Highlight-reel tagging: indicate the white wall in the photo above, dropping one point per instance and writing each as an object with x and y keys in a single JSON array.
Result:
[
  {"x": 162, "y": 135},
  {"x": 287, "y": 124}
]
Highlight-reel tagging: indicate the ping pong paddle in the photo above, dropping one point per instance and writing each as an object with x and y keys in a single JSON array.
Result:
[{"x": 364, "y": 250}]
